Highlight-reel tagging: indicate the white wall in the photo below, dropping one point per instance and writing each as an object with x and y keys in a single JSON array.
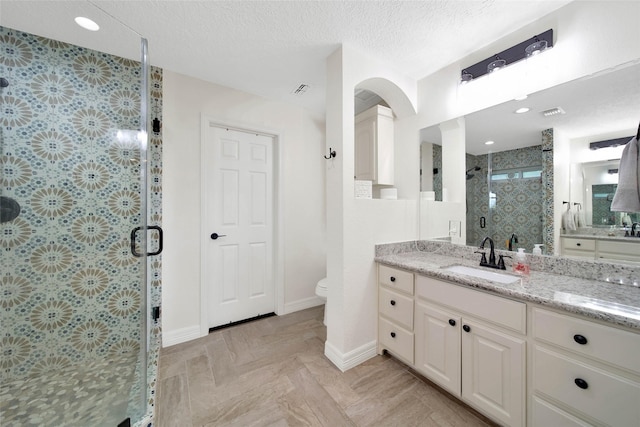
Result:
[
  {"x": 355, "y": 226},
  {"x": 590, "y": 37},
  {"x": 302, "y": 194}
]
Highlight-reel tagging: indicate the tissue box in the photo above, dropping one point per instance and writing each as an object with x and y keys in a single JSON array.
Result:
[{"x": 363, "y": 189}]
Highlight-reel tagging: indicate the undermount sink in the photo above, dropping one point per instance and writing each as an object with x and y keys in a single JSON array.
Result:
[{"x": 483, "y": 274}]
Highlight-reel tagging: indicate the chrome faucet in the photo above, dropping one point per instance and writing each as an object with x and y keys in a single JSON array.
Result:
[{"x": 513, "y": 239}]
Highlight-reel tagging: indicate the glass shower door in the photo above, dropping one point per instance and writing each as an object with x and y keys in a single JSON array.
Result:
[{"x": 73, "y": 174}]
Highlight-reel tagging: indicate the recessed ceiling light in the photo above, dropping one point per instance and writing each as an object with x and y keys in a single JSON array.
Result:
[
  {"x": 87, "y": 23},
  {"x": 488, "y": 142},
  {"x": 521, "y": 98},
  {"x": 522, "y": 110}
]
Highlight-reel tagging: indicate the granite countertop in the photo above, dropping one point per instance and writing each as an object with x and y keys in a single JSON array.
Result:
[{"x": 611, "y": 299}]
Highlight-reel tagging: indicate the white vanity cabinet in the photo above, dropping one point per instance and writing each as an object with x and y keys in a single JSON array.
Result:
[
  {"x": 471, "y": 343},
  {"x": 583, "y": 372},
  {"x": 395, "y": 312},
  {"x": 606, "y": 250},
  {"x": 617, "y": 250},
  {"x": 578, "y": 247},
  {"x": 374, "y": 148}
]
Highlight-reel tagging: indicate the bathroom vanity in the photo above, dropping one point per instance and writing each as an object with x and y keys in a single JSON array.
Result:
[
  {"x": 601, "y": 247},
  {"x": 548, "y": 349}
]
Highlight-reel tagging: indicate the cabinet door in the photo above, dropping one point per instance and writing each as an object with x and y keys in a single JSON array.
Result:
[
  {"x": 365, "y": 146},
  {"x": 437, "y": 340},
  {"x": 493, "y": 372}
]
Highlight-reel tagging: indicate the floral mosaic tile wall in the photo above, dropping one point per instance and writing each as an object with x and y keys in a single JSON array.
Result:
[
  {"x": 547, "y": 188},
  {"x": 437, "y": 177},
  {"x": 69, "y": 287},
  {"x": 518, "y": 202}
]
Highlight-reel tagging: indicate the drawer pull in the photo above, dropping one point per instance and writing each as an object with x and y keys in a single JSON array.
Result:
[
  {"x": 581, "y": 383},
  {"x": 393, "y": 279},
  {"x": 452, "y": 322},
  {"x": 466, "y": 328},
  {"x": 393, "y": 335},
  {"x": 392, "y": 302},
  {"x": 580, "y": 339}
]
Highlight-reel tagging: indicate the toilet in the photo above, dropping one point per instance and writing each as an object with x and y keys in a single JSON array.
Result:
[{"x": 321, "y": 292}]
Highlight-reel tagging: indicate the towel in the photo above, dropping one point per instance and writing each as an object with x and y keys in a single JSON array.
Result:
[
  {"x": 627, "y": 197},
  {"x": 568, "y": 222}
]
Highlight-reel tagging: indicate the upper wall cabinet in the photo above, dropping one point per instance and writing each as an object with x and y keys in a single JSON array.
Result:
[{"x": 374, "y": 145}]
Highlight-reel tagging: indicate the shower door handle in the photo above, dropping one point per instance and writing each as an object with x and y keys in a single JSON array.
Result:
[{"x": 133, "y": 241}]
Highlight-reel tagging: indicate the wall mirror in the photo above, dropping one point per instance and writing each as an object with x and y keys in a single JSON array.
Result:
[{"x": 506, "y": 193}]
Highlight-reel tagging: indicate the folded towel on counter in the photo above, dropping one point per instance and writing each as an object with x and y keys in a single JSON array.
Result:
[{"x": 627, "y": 197}]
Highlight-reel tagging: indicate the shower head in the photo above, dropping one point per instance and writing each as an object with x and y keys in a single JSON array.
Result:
[
  {"x": 470, "y": 175},
  {"x": 475, "y": 168}
]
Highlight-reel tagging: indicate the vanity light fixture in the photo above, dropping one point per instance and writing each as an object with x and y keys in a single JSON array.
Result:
[
  {"x": 496, "y": 64},
  {"x": 609, "y": 143},
  {"x": 522, "y": 110},
  {"x": 536, "y": 47},
  {"x": 87, "y": 23},
  {"x": 465, "y": 77},
  {"x": 530, "y": 47}
]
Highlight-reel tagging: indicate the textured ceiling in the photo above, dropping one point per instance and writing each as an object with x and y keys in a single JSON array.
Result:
[{"x": 270, "y": 47}]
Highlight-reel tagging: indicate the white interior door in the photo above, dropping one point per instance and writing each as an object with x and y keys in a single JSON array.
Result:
[{"x": 238, "y": 223}]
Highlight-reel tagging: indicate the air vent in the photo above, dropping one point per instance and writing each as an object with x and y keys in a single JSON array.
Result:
[
  {"x": 553, "y": 112},
  {"x": 300, "y": 90}
]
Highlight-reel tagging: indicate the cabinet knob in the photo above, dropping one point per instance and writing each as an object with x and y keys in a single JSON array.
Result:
[
  {"x": 581, "y": 383},
  {"x": 466, "y": 328},
  {"x": 392, "y": 302},
  {"x": 452, "y": 322},
  {"x": 578, "y": 244},
  {"x": 393, "y": 334},
  {"x": 393, "y": 279},
  {"x": 580, "y": 339}
]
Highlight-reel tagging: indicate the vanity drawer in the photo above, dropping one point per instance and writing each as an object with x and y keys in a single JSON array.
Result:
[
  {"x": 604, "y": 343},
  {"x": 609, "y": 398},
  {"x": 396, "y": 339},
  {"x": 545, "y": 415},
  {"x": 396, "y": 307},
  {"x": 579, "y": 244},
  {"x": 626, "y": 251},
  {"x": 396, "y": 279},
  {"x": 501, "y": 311}
]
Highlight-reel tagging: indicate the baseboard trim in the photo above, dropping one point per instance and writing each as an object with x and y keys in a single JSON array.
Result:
[
  {"x": 302, "y": 304},
  {"x": 179, "y": 336},
  {"x": 351, "y": 359}
]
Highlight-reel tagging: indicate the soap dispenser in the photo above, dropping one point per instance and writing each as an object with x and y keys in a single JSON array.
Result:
[
  {"x": 520, "y": 264},
  {"x": 537, "y": 250}
]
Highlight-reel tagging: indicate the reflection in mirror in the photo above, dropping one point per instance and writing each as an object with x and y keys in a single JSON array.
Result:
[
  {"x": 431, "y": 171},
  {"x": 505, "y": 199},
  {"x": 597, "y": 182},
  {"x": 594, "y": 108}
]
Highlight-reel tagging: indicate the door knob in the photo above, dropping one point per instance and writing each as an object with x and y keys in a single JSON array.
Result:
[{"x": 214, "y": 236}]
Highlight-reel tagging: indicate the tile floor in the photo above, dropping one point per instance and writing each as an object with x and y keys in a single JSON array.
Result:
[{"x": 273, "y": 372}]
